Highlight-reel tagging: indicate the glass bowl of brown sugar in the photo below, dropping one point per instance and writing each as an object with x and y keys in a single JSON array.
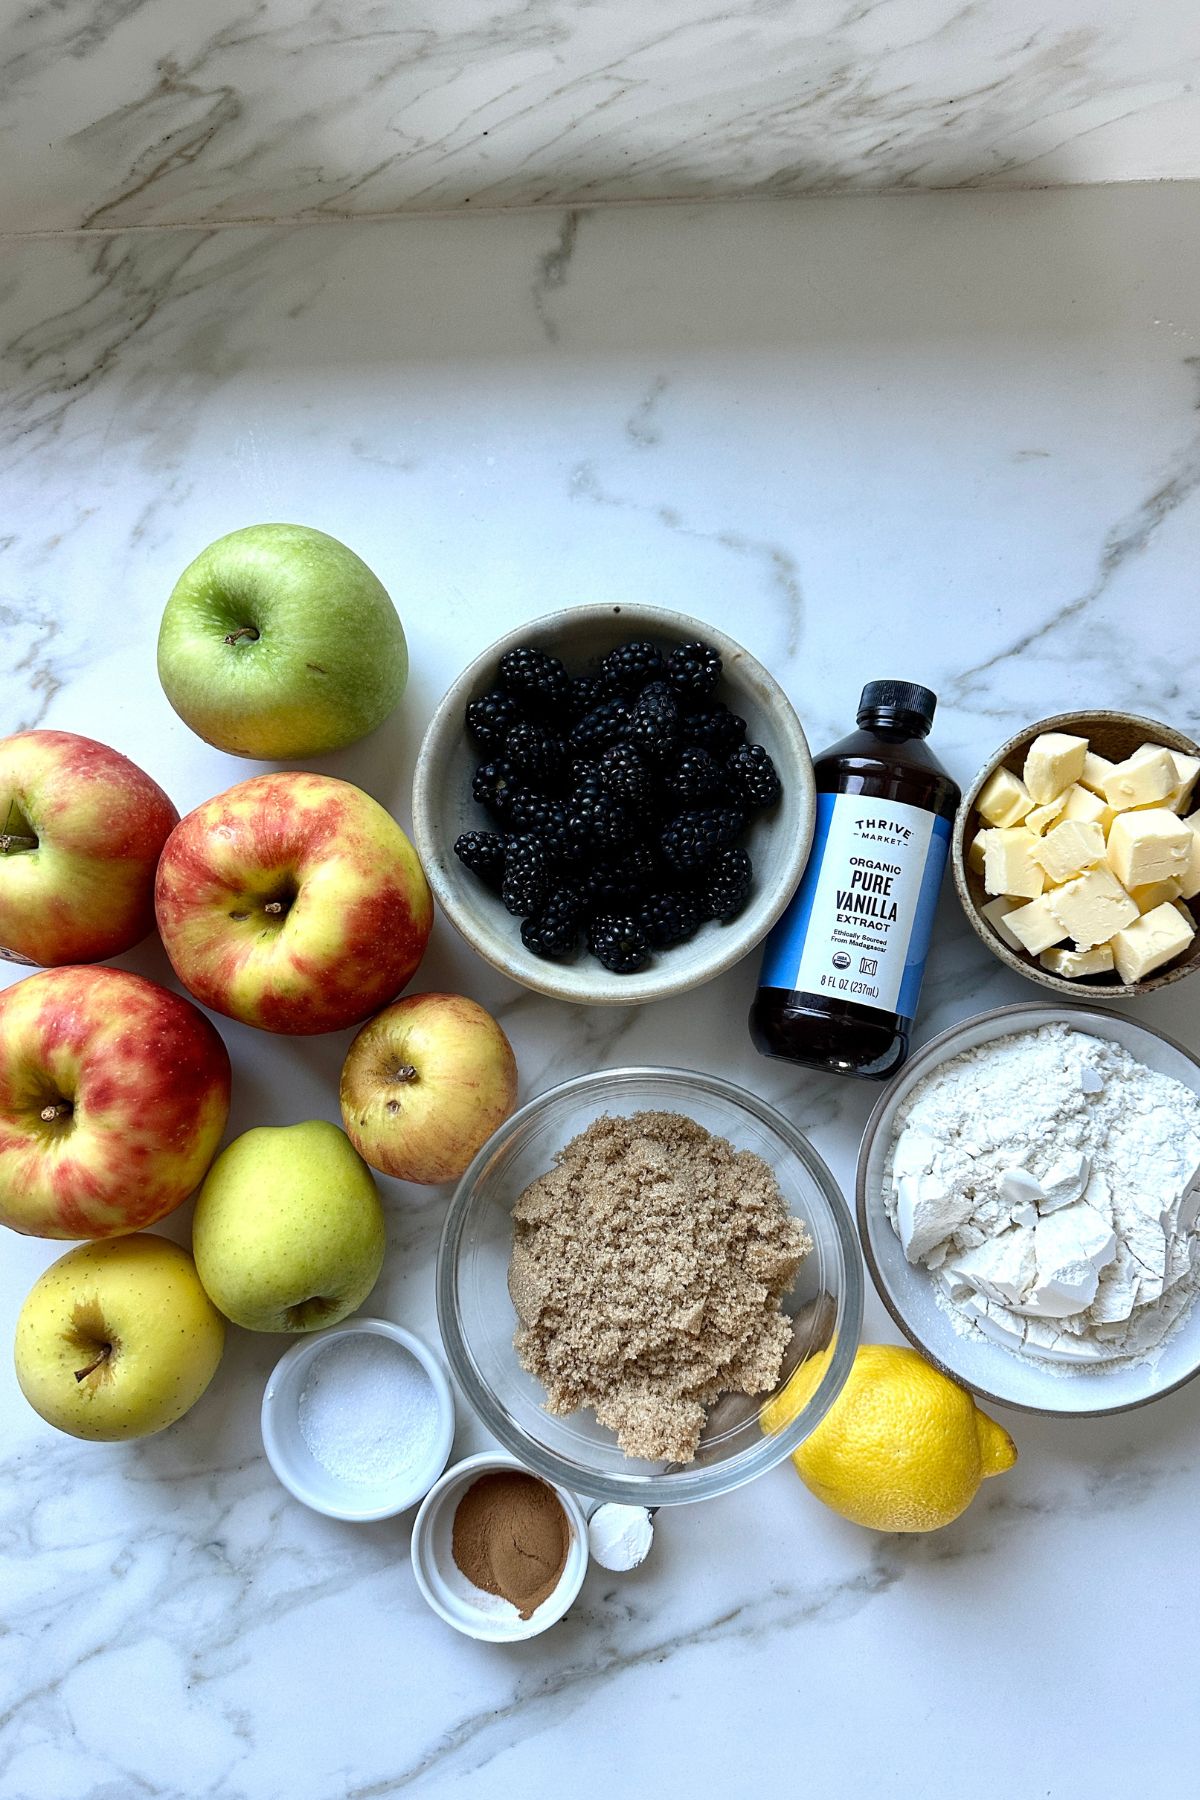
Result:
[{"x": 636, "y": 1263}]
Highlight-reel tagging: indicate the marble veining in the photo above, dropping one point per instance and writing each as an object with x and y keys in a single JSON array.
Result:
[
  {"x": 952, "y": 437},
  {"x": 122, "y": 113}
]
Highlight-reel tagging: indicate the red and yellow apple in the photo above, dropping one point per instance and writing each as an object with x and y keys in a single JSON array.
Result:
[
  {"x": 117, "y": 1340},
  {"x": 113, "y": 1096},
  {"x": 81, "y": 830},
  {"x": 424, "y": 1086},
  {"x": 293, "y": 902}
]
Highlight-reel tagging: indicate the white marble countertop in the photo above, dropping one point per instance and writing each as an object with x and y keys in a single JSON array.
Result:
[{"x": 952, "y": 438}]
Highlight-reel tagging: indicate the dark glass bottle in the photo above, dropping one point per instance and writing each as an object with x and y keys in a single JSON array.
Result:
[{"x": 842, "y": 969}]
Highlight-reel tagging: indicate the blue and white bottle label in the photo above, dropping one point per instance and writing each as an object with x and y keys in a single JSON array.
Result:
[{"x": 858, "y": 927}]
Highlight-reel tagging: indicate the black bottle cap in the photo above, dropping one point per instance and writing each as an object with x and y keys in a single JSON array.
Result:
[{"x": 903, "y": 705}]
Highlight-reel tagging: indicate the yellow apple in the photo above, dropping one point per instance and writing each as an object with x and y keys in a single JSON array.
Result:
[
  {"x": 425, "y": 1084},
  {"x": 289, "y": 1231},
  {"x": 117, "y": 1339}
]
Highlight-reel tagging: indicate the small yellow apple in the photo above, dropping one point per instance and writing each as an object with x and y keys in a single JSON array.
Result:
[
  {"x": 117, "y": 1339},
  {"x": 425, "y": 1084}
]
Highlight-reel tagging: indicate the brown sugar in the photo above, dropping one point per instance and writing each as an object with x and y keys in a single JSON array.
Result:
[
  {"x": 511, "y": 1537},
  {"x": 647, "y": 1271}
]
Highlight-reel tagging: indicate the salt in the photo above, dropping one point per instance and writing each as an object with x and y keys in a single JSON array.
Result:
[{"x": 368, "y": 1411}]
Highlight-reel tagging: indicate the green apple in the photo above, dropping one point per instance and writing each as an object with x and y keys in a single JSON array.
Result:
[
  {"x": 117, "y": 1339},
  {"x": 278, "y": 642},
  {"x": 288, "y": 1232}
]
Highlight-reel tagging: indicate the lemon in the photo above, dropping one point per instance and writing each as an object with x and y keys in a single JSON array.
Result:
[{"x": 902, "y": 1448}]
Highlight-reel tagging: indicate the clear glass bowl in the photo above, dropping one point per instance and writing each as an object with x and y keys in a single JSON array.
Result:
[{"x": 477, "y": 1319}]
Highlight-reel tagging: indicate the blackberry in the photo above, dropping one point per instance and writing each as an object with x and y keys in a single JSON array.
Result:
[
  {"x": 754, "y": 775},
  {"x": 525, "y": 883},
  {"x": 483, "y": 853},
  {"x": 599, "y": 820},
  {"x": 583, "y": 692},
  {"x": 669, "y": 916},
  {"x": 654, "y": 722},
  {"x": 493, "y": 786},
  {"x": 725, "y": 890},
  {"x": 623, "y": 879},
  {"x": 694, "y": 668},
  {"x": 583, "y": 778},
  {"x": 535, "y": 677},
  {"x": 603, "y": 725},
  {"x": 528, "y": 811},
  {"x": 554, "y": 931},
  {"x": 623, "y": 773},
  {"x": 696, "y": 776},
  {"x": 535, "y": 751},
  {"x": 714, "y": 728},
  {"x": 619, "y": 943},
  {"x": 563, "y": 840},
  {"x": 631, "y": 665},
  {"x": 491, "y": 717},
  {"x": 693, "y": 839}
]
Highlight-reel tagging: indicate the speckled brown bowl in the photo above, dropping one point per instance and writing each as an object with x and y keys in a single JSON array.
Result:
[
  {"x": 1115, "y": 735},
  {"x": 778, "y": 840}
]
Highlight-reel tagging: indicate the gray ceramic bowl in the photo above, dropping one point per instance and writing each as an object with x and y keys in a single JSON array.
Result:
[
  {"x": 1112, "y": 734},
  {"x": 778, "y": 841}
]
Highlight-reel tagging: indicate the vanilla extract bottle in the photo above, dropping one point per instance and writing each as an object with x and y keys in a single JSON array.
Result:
[{"x": 842, "y": 969}]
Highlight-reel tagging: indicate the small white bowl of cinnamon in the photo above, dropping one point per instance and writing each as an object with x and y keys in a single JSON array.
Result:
[{"x": 497, "y": 1552}]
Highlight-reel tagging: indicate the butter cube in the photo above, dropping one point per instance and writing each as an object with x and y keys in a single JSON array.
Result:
[
  {"x": 1156, "y": 938},
  {"x": 1003, "y": 798},
  {"x": 975, "y": 850},
  {"x": 1154, "y": 893},
  {"x": 1069, "y": 848},
  {"x": 1080, "y": 804},
  {"x": 1075, "y": 963},
  {"x": 1143, "y": 779},
  {"x": 1009, "y": 866},
  {"x": 1191, "y": 878},
  {"x": 1096, "y": 770},
  {"x": 1148, "y": 845},
  {"x": 1041, "y": 817},
  {"x": 1053, "y": 762},
  {"x": 1035, "y": 925},
  {"x": 1188, "y": 768},
  {"x": 1092, "y": 907},
  {"x": 996, "y": 913}
]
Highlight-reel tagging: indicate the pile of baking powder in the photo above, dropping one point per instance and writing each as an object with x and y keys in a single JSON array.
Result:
[{"x": 1050, "y": 1180}]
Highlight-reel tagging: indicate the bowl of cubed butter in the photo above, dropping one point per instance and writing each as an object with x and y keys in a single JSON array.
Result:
[{"x": 1076, "y": 853}]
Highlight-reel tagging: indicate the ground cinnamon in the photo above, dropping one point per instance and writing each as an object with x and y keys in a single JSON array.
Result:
[{"x": 511, "y": 1537}]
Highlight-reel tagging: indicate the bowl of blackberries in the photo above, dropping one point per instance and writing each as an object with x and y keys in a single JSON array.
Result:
[{"x": 614, "y": 803}]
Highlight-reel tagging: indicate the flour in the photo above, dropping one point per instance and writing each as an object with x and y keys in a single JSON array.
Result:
[{"x": 1049, "y": 1181}]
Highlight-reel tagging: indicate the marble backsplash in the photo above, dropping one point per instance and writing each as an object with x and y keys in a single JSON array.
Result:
[{"x": 122, "y": 113}]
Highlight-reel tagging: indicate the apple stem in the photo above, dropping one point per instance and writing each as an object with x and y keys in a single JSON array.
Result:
[
  {"x": 273, "y": 906},
  {"x": 15, "y": 840},
  {"x": 58, "y": 1110},
  {"x": 105, "y": 1353},
  {"x": 243, "y": 631},
  {"x": 405, "y": 1072}
]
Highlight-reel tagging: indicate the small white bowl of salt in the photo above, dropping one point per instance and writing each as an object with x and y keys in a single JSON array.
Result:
[{"x": 357, "y": 1421}]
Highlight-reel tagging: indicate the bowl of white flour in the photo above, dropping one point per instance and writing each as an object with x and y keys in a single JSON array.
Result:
[{"x": 1029, "y": 1206}]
